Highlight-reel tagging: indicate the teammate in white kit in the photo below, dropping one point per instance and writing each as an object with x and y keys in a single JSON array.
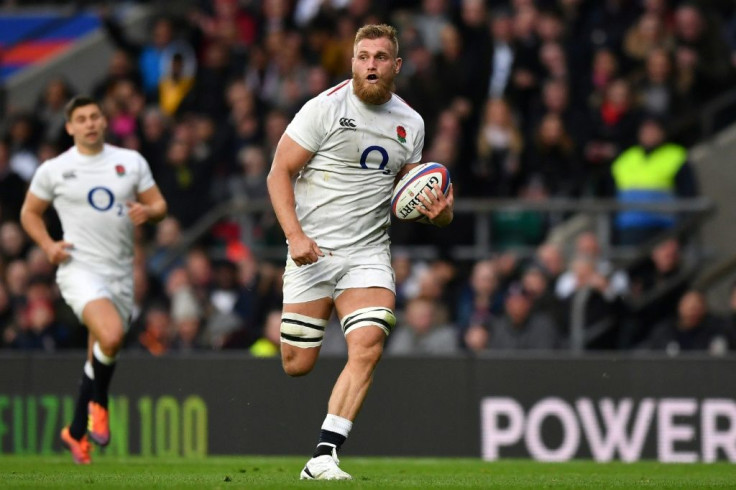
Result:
[
  {"x": 346, "y": 148},
  {"x": 100, "y": 193}
]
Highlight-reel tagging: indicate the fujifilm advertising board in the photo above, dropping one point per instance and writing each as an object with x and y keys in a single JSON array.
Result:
[{"x": 546, "y": 409}]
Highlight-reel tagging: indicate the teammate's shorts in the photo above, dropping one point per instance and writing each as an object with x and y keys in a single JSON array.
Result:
[
  {"x": 79, "y": 285},
  {"x": 338, "y": 270}
]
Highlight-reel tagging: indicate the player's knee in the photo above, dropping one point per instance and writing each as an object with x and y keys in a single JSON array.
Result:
[
  {"x": 111, "y": 341},
  {"x": 367, "y": 355},
  {"x": 296, "y": 363},
  {"x": 296, "y": 368}
]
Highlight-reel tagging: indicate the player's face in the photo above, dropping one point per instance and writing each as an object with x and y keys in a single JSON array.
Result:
[
  {"x": 87, "y": 126},
  {"x": 374, "y": 70}
]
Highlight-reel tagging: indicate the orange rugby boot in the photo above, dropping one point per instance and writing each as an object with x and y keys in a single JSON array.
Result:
[
  {"x": 80, "y": 449},
  {"x": 98, "y": 425}
]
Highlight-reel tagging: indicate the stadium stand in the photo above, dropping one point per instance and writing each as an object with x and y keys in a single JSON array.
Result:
[{"x": 528, "y": 103}]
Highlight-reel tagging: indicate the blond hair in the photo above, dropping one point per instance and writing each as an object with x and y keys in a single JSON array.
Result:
[{"x": 378, "y": 31}]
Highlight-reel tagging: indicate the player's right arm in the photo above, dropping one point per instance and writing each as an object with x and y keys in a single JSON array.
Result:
[
  {"x": 31, "y": 218},
  {"x": 288, "y": 160}
]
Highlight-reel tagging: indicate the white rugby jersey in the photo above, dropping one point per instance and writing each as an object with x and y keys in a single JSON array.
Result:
[
  {"x": 89, "y": 194},
  {"x": 343, "y": 193}
]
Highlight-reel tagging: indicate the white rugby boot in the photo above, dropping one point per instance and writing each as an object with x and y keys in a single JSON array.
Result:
[{"x": 324, "y": 467}]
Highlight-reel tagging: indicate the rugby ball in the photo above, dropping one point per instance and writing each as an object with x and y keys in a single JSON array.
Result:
[{"x": 405, "y": 199}]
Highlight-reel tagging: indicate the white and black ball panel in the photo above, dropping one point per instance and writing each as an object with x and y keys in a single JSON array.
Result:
[{"x": 404, "y": 201}]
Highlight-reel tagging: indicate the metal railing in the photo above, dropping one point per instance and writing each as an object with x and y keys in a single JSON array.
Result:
[{"x": 693, "y": 212}]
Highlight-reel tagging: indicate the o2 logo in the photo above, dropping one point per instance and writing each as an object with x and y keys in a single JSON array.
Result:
[
  {"x": 102, "y": 199},
  {"x": 384, "y": 158}
]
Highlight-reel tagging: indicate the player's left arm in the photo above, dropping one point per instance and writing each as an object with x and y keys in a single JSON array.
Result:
[
  {"x": 438, "y": 208},
  {"x": 149, "y": 206}
]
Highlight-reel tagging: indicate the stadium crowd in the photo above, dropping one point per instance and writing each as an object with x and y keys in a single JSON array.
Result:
[{"x": 524, "y": 99}]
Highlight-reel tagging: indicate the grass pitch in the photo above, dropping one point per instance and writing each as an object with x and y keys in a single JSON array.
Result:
[{"x": 283, "y": 472}]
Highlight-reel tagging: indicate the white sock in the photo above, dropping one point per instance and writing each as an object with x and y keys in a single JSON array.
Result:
[
  {"x": 101, "y": 356},
  {"x": 89, "y": 370},
  {"x": 335, "y": 423}
]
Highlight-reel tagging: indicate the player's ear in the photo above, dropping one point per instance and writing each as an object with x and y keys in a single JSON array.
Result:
[
  {"x": 397, "y": 65},
  {"x": 68, "y": 128}
]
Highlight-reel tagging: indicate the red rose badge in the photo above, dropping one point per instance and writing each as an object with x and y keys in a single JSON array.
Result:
[{"x": 401, "y": 133}]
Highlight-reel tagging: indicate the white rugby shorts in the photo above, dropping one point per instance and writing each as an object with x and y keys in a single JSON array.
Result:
[
  {"x": 79, "y": 285},
  {"x": 338, "y": 270}
]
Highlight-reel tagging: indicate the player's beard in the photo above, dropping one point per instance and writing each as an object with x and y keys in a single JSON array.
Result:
[{"x": 373, "y": 93}]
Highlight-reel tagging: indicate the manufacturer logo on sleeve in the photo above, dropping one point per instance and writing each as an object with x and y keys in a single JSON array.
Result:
[{"x": 347, "y": 123}]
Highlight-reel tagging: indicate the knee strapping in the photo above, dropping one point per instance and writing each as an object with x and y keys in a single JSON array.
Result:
[
  {"x": 381, "y": 317},
  {"x": 301, "y": 330}
]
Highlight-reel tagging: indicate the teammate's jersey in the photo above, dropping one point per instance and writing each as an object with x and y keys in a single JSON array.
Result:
[
  {"x": 89, "y": 194},
  {"x": 343, "y": 193}
]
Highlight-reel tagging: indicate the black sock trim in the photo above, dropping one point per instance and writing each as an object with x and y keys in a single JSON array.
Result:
[
  {"x": 328, "y": 440},
  {"x": 78, "y": 427}
]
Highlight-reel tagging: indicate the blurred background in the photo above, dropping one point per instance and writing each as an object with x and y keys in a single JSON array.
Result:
[{"x": 543, "y": 110}]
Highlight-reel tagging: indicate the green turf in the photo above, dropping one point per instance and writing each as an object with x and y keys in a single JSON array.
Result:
[{"x": 281, "y": 473}]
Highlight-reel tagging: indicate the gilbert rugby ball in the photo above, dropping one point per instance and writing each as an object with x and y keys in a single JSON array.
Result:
[{"x": 404, "y": 201}]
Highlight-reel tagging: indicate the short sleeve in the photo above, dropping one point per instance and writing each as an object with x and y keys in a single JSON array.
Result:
[
  {"x": 416, "y": 155},
  {"x": 145, "y": 178},
  {"x": 41, "y": 183},
  {"x": 307, "y": 127}
]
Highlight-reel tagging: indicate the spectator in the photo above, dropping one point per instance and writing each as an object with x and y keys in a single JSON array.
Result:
[
  {"x": 649, "y": 33},
  {"x": 13, "y": 242},
  {"x": 168, "y": 237},
  {"x": 694, "y": 329},
  {"x": 156, "y": 333},
  {"x": 657, "y": 90},
  {"x": 22, "y": 145},
  {"x": 210, "y": 85},
  {"x": 535, "y": 282},
  {"x": 480, "y": 297},
  {"x": 39, "y": 329},
  {"x": 653, "y": 171},
  {"x": 7, "y": 318},
  {"x": 699, "y": 47},
  {"x": 515, "y": 229},
  {"x": 613, "y": 129},
  {"x": 179, "y": 180},
  {"x": 12, "y": 187},
  {"x": 420, "y": 333},
  {"x": 430, "y": 21},
  {"x": 176, "y": 80},
  {"x": 617, "y": 281},
  {"x": 154, "y": 134},
  {"x": 551, "y": 158},
  {"x": 50, "y": 112},
  {"x": 518, "y": 329},
  {"x": 498, "y": 170},
  {"x": 589, "y": 318},
  {"x": 656, "y": 287},
  {"x": 269, "y": 344},
  {"x": 120, "y": 68},
  {"x": 251, "y": 182},
  {"x": 549, "y": 257},
  {"x": 150, "y": 55}
]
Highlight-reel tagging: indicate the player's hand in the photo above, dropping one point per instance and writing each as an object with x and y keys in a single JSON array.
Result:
[
  {"x": 58, "y": 252},
  {"x": 137, "y": 212},
  {"x": 304, "y": 250},
  {"x": 437, "y": 207}
]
